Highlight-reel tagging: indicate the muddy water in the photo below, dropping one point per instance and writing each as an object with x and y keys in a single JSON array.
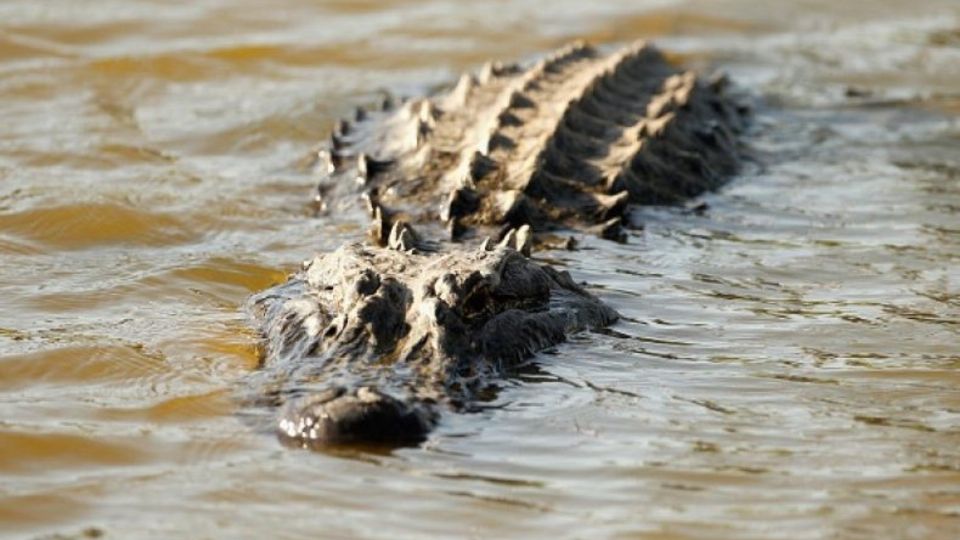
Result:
[{"x": 787, "y": 366}]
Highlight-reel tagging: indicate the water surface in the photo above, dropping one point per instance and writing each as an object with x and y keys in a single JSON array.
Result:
[{"x": 788, "y": 362}]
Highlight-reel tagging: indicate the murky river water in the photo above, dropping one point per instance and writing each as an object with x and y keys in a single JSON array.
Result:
[{"x": 789, "y": 366}]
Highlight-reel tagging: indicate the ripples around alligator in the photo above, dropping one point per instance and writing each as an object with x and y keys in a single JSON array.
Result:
[{"x": 786, "y": 365}]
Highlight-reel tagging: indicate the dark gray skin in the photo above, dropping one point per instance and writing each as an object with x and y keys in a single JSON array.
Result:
[
  {"x": 369, "y": 343},
  {"x": 393, "y": 334}
]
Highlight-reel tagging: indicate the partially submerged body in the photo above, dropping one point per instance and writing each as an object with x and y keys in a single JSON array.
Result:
[
  {"x": 391, "y": 334},
  {"x": 371, "y": 340}
]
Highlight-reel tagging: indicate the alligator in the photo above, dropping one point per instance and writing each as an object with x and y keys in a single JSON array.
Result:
[{"x": 370, "y": 343}]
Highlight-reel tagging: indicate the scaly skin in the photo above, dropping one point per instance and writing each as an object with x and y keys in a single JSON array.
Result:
[
  {"x": 394, "y": 333},
  {"x": 567, "y": 142},
  {"x": 380, "y": 338}
]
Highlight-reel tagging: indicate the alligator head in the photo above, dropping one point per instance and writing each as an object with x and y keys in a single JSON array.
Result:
[{"x": 378, "y": 338}]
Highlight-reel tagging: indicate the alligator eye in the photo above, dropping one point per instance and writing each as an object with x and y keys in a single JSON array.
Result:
[
  {"x": 367, "y": 283},
  {"x": 477, "y": 302}
]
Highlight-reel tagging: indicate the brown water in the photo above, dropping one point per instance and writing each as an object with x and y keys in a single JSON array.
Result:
[{"x": 789, "y": 363}]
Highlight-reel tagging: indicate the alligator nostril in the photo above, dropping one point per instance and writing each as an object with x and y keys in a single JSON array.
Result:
[{"x": 365, "y": 415}]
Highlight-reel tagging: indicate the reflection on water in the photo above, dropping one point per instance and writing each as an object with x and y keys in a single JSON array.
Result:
[{"x": 787, "y": 366}]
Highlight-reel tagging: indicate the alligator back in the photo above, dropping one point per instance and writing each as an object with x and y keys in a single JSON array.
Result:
[{"x": 565, "y": 142}]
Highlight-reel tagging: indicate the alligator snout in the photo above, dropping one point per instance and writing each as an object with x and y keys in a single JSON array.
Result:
[{"x": 364, "y": 415}]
